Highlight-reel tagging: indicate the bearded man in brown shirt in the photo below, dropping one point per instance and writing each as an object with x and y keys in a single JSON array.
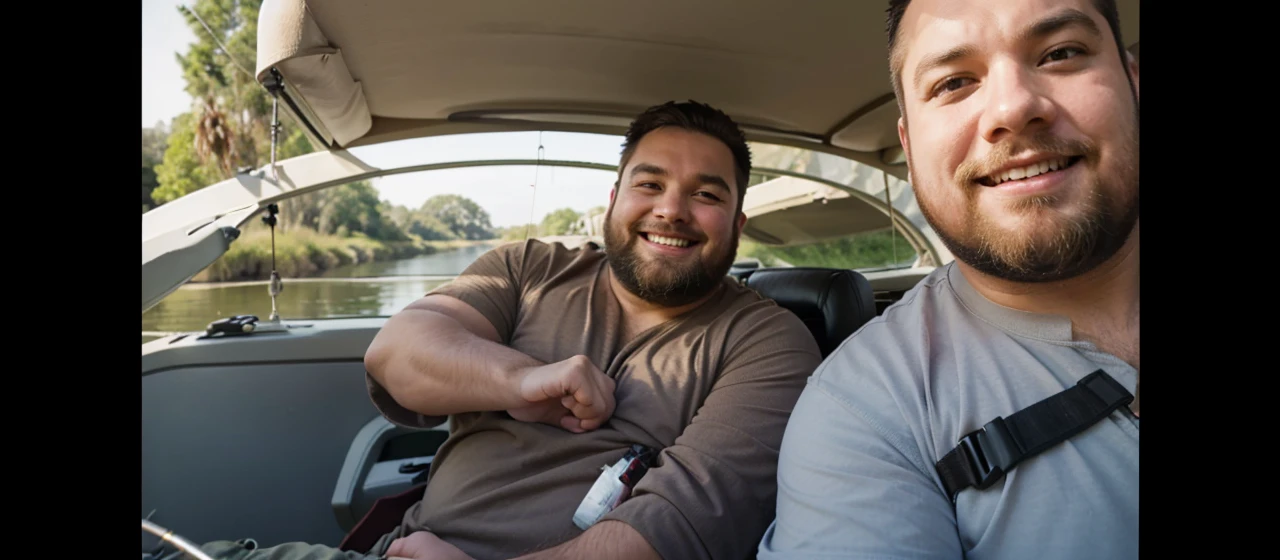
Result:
[{"x": 553, "y": 362}]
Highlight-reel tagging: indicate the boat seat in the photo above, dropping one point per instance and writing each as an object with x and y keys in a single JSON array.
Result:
[{"x": 832, "y": 302}]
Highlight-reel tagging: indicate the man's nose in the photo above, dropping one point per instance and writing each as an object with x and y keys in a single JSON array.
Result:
[
  {"x": 1017, "y": 102},
  {"x": 672, "y": 206}
]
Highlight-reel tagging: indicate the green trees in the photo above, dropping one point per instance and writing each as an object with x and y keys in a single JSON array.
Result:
[
  {"x": 229, "y": 129},
  {"x": 559, "y": 222}
]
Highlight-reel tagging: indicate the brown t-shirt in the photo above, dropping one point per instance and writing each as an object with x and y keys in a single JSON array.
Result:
[{"x": 713, "y": 389}]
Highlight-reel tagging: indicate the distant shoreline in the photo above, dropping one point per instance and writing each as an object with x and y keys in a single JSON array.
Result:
[{"x": 306, "y": 254}]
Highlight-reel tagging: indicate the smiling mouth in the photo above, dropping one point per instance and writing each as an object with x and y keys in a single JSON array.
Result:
[
  {"x": 1027, "y": 172},
  {"x": 668, "y": 241}
]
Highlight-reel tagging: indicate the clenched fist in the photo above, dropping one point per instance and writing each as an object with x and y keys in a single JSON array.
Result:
[{"x": 573, "y": 394}]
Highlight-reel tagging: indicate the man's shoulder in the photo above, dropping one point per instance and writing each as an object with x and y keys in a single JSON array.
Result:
[
  {"x": 745, "y": 307},
  {"x": 534, "y": 248},
  {"x": 751, "y": 332},
  {"x": 536, "y": 261}
]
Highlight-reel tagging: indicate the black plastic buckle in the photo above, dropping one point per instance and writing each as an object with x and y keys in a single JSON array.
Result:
[
  {"x": 638, "y": 458},
  {"x": 991, "y": 452},
  {"x": 1106, "y": 389},
  {"x": 231, "y": 326}
]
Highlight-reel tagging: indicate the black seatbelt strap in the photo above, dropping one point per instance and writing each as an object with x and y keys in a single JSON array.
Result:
[{"x": 985, "y": 455}]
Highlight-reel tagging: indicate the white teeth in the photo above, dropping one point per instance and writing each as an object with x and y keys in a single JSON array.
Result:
[
  {"x": 668, "y": 241},
  {"x": 1031, "y": 170}
]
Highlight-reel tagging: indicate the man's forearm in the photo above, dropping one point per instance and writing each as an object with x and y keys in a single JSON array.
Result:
[
  {"x": 432, "y": 364},
  {"x": 606, "y": 539}
]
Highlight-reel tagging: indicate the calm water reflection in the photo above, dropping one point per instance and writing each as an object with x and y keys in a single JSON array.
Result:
[{"x": 371, "y": 289}]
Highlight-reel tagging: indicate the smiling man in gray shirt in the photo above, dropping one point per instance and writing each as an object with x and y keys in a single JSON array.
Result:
[{"x": 1021, "y": 129}]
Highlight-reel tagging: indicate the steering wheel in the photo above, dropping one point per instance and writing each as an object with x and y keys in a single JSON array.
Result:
[{"x": 169, "y": 536}]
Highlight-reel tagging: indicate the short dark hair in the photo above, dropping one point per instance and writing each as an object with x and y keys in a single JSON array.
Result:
[
  {"x": 898, "y": 7},
  {"x": 694, "y": 117}
]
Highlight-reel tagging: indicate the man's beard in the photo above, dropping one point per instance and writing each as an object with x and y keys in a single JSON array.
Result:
[
  {"x": 663, "y": 283},
  {"x": 1069, "y": 245}
]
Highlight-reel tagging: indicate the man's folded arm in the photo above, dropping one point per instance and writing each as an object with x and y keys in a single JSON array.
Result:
[
  {"x": 446, "y": 352},
  {"x": 440, "y": 356}
]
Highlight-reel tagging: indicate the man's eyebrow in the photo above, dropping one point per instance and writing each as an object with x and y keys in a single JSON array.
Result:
[
  {"x": 709, "y": 179},
  {"x": 703, "y": 178},
  {"x": 1068, "y": 17},
  {"x": 647, "y": 168},
  {"x": 931, "y": 62}
]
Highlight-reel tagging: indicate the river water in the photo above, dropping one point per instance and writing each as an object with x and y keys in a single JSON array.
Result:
[{"x": 369, "y": 289}]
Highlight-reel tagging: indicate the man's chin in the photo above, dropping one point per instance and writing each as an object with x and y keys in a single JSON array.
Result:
[
  {"x": 662, "y": 277},
  {"x": 667, "y": 285},
  {"x": 1032, "y": 222},
  {"x": 1045, "y": 249},
  {"x": 1023, "y": 232}
]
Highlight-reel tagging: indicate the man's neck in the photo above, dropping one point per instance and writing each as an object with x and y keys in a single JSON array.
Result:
[
  {"x": 640, "y": 315},
  {"x": 1102, "y": 304}
]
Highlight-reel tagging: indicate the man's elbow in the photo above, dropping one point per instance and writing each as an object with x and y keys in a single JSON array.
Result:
[
  {"x": 385, "y": 359},
  {"x": 376, "y": 357}
]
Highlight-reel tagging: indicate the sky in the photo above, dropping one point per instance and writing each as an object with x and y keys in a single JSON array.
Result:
[
  {"x": 507, "y": 193},
  {"x": 164, "y": 34}
]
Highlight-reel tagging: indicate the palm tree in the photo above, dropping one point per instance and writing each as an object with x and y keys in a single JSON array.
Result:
[{"x": 215, "y": 137}]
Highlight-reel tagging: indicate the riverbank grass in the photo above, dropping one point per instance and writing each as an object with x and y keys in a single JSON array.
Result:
[{"x": 302, "y": 253}]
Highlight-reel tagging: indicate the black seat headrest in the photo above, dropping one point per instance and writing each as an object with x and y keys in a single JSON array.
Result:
[{"x": 832, "y": 302}]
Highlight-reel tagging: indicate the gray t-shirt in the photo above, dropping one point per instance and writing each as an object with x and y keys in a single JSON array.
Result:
[{"x": 856, "y": 471}]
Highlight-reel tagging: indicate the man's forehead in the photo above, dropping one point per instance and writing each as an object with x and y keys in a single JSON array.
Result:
[
  {"x": 930, "y": 27},
  {"x": 670, "y": 146}
]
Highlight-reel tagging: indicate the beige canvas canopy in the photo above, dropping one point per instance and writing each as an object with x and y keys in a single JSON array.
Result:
[{"x": 810, "y": 74}]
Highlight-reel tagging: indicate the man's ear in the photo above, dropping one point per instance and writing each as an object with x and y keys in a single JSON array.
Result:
[
  {"x": 1132, "y": 67},
  {"x": 742, "y": 221},
  {"x": 906, "y": 144}
]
